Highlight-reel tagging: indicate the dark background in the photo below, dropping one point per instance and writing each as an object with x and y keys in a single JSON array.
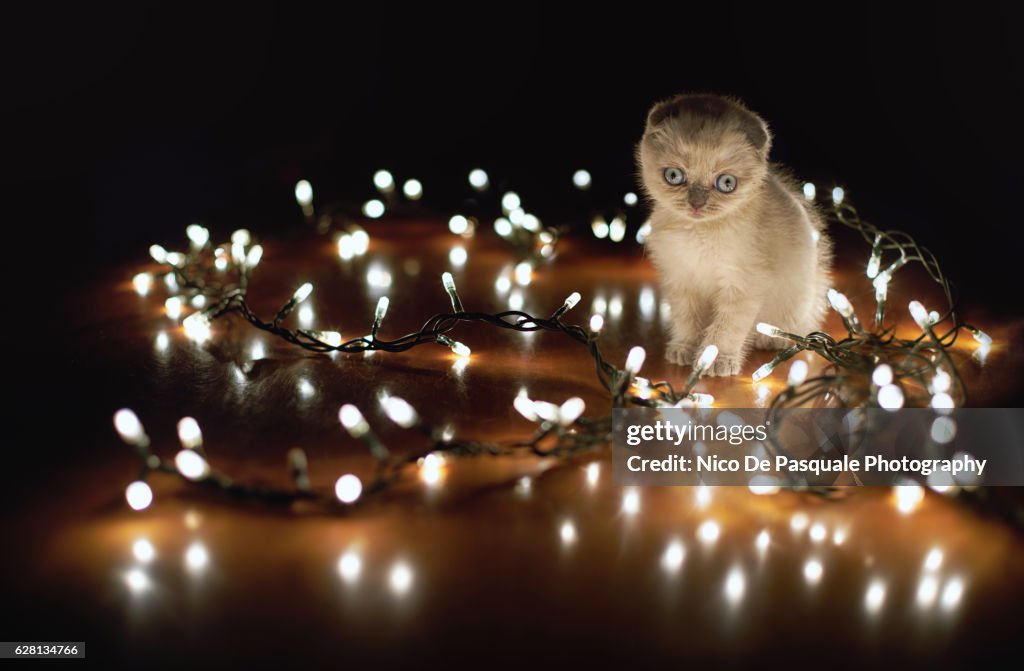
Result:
[{"x": 130, "y": 122}]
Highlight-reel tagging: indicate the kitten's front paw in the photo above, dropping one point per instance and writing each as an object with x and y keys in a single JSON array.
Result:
[
  {"x": 725, "y": 364},
  {"x": 681, "y": 353}
]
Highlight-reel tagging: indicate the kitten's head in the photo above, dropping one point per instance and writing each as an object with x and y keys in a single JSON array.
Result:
[{"x": 703, "y": 156}]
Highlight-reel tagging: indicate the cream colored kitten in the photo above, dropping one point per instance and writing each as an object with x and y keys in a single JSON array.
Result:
[{"x": 733, "y": 239}]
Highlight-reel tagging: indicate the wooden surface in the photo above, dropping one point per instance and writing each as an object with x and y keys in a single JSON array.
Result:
[{"x": 478, "y": 566}]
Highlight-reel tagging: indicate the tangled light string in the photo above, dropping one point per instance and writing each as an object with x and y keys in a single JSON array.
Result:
[{"x": 868, "y": 368}]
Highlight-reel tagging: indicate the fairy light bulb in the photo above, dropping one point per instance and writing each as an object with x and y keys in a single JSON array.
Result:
[
  {"x": 617, "y": 229},
  {"x": 643, "y": 232},
  {"x": 890, "y": 397},
  {"x": 129, "y": 428},
  {"x": 762, "y": 372},
  {"x": 139, "y": 495},
  {"x": 908, "y": 497},
  {"x": 941, "y": 382},
  {"x": 942, "y": 401},
  {"x": 984, "y": 339},
  {"x": 304, "y": 193},
  {"x": 524, "y": 406},
  {"x": 882, "y": 375},
  {"x": 881, "y": 284},
  {"x": 191, "y": 464},
  {"x": 384, "y": 181},
  {"x": 198, "y": 235},
  {"x": 523, "y": 273},
  {"x": 840, "y": 303},
  {"x": 458, "y": 224},
  {"x": 581, "y": 180},
  {"x": 302, "y": 293},
  {"x": 348, "y": 488},
  {"x": 142, "y": 283},
  {"x": 332, "y": 338},
  {"x": 241, "y": 236},
  {"x": 701, "y": 400},
  {"x": 413, "y": 189},
  {"x": 630, "y": 199},
  {"x": 920, "y": 314},
  {"x": 838, "y": 194},
  {"x": 252, "y": 259},
  {"x": 596, "y": 323},
  {"x": 635, "y": 360},
  {"x": 373, "y": 209},
  {"x": 571, "y": 301},
  {"x": 600, "y": 227},
  {"x": 197, "y": 327},
  {"x": 158, "y": 253},
  {"x": 809, "y": 191},
  {"x": 189, "y": 433},
  {"x": 172, "y": 306},
  {"x": 706, "y": 358},
  {"x": 503, "y": 227},
  {"x": 511, "y": 201},
  {"x": 400, "y": 412},
  {"x": 449, "y": 286},
  {"x": 875, "y": 260},
  {"x": 378, "y": 314},
  {"x": 460, "y": 349},
  {"x": 549, "y": 412},
  {"x": 360, "y": 240},
  {"x": 571, "y": 410},
  {"x": 797, "y": 373},
  {"x": 353, "y": 421},
  {"x": 767, "y": 329},
  {"x": 478, "y": 179}
]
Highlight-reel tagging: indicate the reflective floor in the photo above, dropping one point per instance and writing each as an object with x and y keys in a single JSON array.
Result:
[{"x": 501, "y": 560}]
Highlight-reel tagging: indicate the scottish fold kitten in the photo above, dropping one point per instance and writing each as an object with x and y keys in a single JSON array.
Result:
[{"x": 732, "y": 237}]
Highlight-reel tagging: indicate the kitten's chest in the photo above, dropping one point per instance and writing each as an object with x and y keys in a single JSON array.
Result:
[{"x": 700, "y": 261}]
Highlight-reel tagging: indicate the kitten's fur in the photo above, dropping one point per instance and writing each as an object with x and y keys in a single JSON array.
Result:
[{"x": 746, "y": 256}]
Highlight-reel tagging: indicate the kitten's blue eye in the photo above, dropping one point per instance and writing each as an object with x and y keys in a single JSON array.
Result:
[
  {"x": 675, "y": 176},
  {"x": 725, "y": 183}
]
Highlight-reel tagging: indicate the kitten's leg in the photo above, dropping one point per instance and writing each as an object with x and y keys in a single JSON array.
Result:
[
  {"x": 735, "y": 312},
  {"x": 686, "y": 326}
]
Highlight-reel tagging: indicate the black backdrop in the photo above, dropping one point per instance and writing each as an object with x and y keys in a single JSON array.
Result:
[{"x": 131, "y": 122}]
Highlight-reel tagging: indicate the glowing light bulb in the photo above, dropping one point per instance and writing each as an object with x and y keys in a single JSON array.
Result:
[
  {"x": 138, "y": 495},
  {"x": 600, "y": 227},
  {"x": 840, "y": 303},
  {"x": 413, "y": 189},
  {"x": 158, "y": 253},
  {"x": 172, "y": 306},
  {"x": 581, "y": 179},
  {"x": 767, "y": 329},
  {"x": 175, "y": 258},
  {"x": 617, "y": 229},
  {"x": 137, "y": 580},
  {"x": 797, "y": 373},
  {"x": 763, "y": 541},
  {"x": 927, "y": 591},
  {"x": 302, "y": 293},
  {"x": 458, "y": 224},
  {"x": 373, "y": 209},
  {"x": 593, "y": 473},
  {"x": 524, "y": 406},
  {"x": 478, "y": 179},
  {"x": 708, "y": 532},
  {"x": 303, "y": 193},
  {"x": 353, "y": 421},
  {"x": 908, "y": 497},
  {"x": 348, "y": 488},
  {"x": 142, "y": 283},
  {"x": 523, "y": 273},
  {"x": 984, "y": 339},
  {"x": 530, "y": 223},
  {"x": 809, "y": 191},
  {"x": 197, "y": 327},
  {"x": 798, "y": 522},
  {"x": 630, "y": 199},
  {"x": 189, "y": 433},
  {"x": 920, "y": 314},
  {"x": 952, "y": 593},
  {"x": 503, "y": 227},
  {"x": 252, "y": 259},
  {"x": 384, "y": 181},
  {"x": 143, "y": 550},
  {"x": 191, "y": 464},
  {"x": 702, "y": 496},
  {"x": 130, "y": 428},
  {"x": 882, "y": 375},
  {"x": 360, "y": 240},
  {"x": 942, "y": 382},
  {"x": 635, "y": 360},
  {"x": 643, "y": 232},
  {"x": 596, "y": 323},
  {"x": 511, "y": 201},
  {"x": 400, "y": 412},
  {"x": 818, "y": 532},
  {"x": 431, "y": 468},
  {"x": 838, "y": 194},
  {"x": 890, "y": 397},
  {"x": 378, "y": 278},
  {"x": 198, "y": 235},
  {"x": 241, "y": 236},
  {"x": 762, "y": 372},
  {"x": 571, "y": 301},
  {"x": 942, "y": 401},
  {"x": 673, "y": 558},
  {"x": 382, "y": 308},
  {"x": 702, "y": 400},
  {"x": 707, "y": 357},
  {"x": 332, "y": 338}
]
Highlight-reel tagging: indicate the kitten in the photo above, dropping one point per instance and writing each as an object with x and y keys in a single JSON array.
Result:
[{"x": 732, "y": 237}]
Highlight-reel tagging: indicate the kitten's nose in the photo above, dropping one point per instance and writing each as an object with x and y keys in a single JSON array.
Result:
[{"x": 697, "y": 196}]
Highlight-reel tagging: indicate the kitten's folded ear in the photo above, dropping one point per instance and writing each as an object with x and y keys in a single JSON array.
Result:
[
  {"x": 661, "y": 110},
  {"x": 756, "y": 130}
]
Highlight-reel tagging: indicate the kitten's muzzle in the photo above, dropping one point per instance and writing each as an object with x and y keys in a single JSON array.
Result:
[{"x": 697, "y": 196}]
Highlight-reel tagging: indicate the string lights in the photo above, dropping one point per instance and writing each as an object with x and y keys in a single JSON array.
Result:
[{"x": 868, "y": 367}]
